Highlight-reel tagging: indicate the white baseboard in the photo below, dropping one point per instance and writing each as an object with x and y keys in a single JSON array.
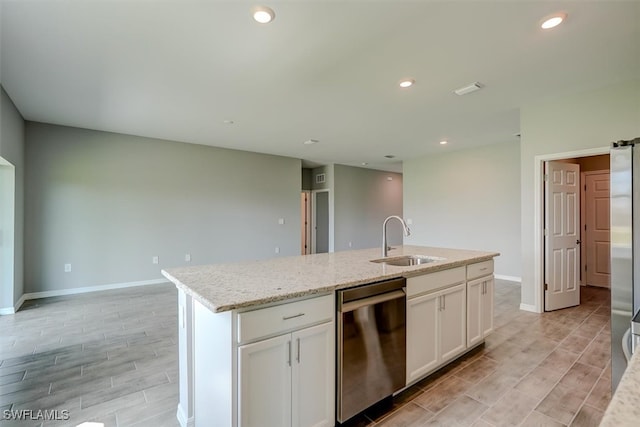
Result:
[
  {"x": 509, "y": 278},
  {"x": 73, "y": 291},
  {"x": 15, "y": 308},
  {"x": 182, "y": 418},
  {"x": 528, "y": 307}
]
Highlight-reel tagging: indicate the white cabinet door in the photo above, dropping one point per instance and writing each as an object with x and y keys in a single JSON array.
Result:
[
  {"x": 453, "y": 323},
  {"x": 487, "y": 306},
  {"x": 264, "y": 383},
  {"x": 475, "y": 315},
  {"x": 479, "y": 309},
  {"x": 422, "y": 335},
  {"x": 313, "y": 382}
]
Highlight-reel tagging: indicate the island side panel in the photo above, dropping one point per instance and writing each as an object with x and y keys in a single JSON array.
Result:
[
  {"x": 214, "y": 368},
  {"x": 185, "y": 359}
]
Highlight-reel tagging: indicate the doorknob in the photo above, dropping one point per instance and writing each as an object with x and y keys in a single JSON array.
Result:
[{"x": 577, "y": 242}]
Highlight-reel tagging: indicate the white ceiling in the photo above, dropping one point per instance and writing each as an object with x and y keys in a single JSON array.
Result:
[{"x": 327, "y": 70}]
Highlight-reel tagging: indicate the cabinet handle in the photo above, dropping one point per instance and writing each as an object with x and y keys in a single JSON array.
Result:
[
  {"x": 289, "y": 359},
  {"x": 293, "y": 317},
  {"x": 298, "y": 356}
]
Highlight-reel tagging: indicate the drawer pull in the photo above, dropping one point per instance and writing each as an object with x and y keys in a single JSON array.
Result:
[
  {"x": 293, "y": 317},
  {"x": 484, "y": 268}
]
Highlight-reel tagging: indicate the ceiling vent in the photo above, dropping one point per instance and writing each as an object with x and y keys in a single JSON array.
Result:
[
  {"x": 320, "y": 178},
  {"x": 468, "y": 89}
]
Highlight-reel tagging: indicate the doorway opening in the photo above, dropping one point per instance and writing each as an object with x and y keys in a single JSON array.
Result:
[
  {"x": 7, "y": 236},
  {"x": 573, "y": 226},
  {"x": 315, "y": 230},
  {"x": 320, "y": 222}
]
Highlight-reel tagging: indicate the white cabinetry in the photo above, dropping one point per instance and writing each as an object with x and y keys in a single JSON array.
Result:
[
  {"x": 279, "y": 371},
  {"x": 436, "y": 320},
  {"x": 480, "y": 284},
  {"x": 288, "y": 380}
]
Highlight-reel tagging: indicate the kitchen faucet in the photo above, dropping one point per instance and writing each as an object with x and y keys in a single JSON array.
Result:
[{"x": 384, "y": 232}]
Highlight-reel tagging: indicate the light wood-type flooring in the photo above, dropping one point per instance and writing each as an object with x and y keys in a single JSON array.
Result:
[{"x": 111, "y": 357}]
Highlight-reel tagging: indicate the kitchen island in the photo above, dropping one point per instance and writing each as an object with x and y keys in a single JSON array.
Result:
[{"x": 234, "y": 317}]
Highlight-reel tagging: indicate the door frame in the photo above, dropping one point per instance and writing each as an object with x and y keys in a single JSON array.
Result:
[
  {"x": 538, "y": 219},
  {"x": 583, "y": 220},
  {"x": 8, "y": 304}
]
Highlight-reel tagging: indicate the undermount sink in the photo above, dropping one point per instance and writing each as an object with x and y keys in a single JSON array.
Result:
[{"x": 407, "y": 260}]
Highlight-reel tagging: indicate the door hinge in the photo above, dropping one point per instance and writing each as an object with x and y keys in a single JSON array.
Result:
[
  {"x": 546, "y": 286},
  {"x": 545, "y": 177},
  {"x": 585, "y": 227},
  {"x": 585, "y": 187}
]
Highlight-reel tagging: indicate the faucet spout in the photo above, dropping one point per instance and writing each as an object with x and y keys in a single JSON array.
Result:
[{"x": 405, "y": 229}]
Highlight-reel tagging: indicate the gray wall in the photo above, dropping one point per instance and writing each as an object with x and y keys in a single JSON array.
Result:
[
  {"x": 306, "y": 179},
  {"x": 363, "y": 199},
  {"x": 467, "y": 199},
  {"x": 107, "y": 203},
  {"x": 12, "y": 143},
  {"x": 587, "y": 120}
]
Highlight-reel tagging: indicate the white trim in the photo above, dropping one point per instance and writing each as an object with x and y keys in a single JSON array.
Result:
[
  {"x": 73, "y": 291},
  {"x": 509, "y": 278},
  {"x": 538, "y": 215},
  {"x": 182, "y": 418},
  {"x": 13, "y": 310},
  {"x": 529, "y": 307}
]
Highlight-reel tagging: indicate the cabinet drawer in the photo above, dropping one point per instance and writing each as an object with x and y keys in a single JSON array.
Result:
[
  {"x": 479, "y": 269},
  {"x": 285, "y": 317},
  {"x": 432, "y": 281}
]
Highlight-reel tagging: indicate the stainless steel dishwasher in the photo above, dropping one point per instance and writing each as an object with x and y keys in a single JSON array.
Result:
[{"x": 371, "y": 345}]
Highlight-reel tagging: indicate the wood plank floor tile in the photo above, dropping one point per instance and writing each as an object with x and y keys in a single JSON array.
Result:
[{"x": 511, "y": 409}]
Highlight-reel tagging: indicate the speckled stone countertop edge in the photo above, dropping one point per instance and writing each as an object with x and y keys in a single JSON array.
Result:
[
  {"x": 219, "y": 303},
  {"x": 624, "y": 408}
]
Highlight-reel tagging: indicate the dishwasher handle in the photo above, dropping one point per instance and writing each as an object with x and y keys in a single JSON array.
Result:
[{"x": 376, "y": 299}]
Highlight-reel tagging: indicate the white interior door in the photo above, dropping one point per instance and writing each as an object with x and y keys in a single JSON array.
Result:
[
  {"x": 597, "y": 231},
  {"x": 562, "y": 235}
]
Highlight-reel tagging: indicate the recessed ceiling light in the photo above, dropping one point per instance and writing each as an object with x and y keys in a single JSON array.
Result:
[
  {"x": 310, "y": 141},
  {"x": 364, "y": 163},
  {"x": 263, "y": 14},
  {"x": 407, "y": 83},
  {"x": 228, "y": 122},
  {"x": 553, "y": 20},
  {"x": 443, "y": 142}
]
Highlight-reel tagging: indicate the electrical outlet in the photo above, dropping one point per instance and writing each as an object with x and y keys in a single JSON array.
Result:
[
  {"x": 350, "y": 244},
  {"x": 67, "y": 268},
  {"x": 277, "y": 250},
  {"x": 187, "y": 257},
  {"x": 409, "y": 221},
  {"x": 281, "y": 221},
  {"x": 155, "y": 260}
]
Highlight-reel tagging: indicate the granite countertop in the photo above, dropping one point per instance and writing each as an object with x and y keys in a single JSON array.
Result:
[
  {"x": 624, "y": 409},
  {"x": 224, "y": 287}
]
